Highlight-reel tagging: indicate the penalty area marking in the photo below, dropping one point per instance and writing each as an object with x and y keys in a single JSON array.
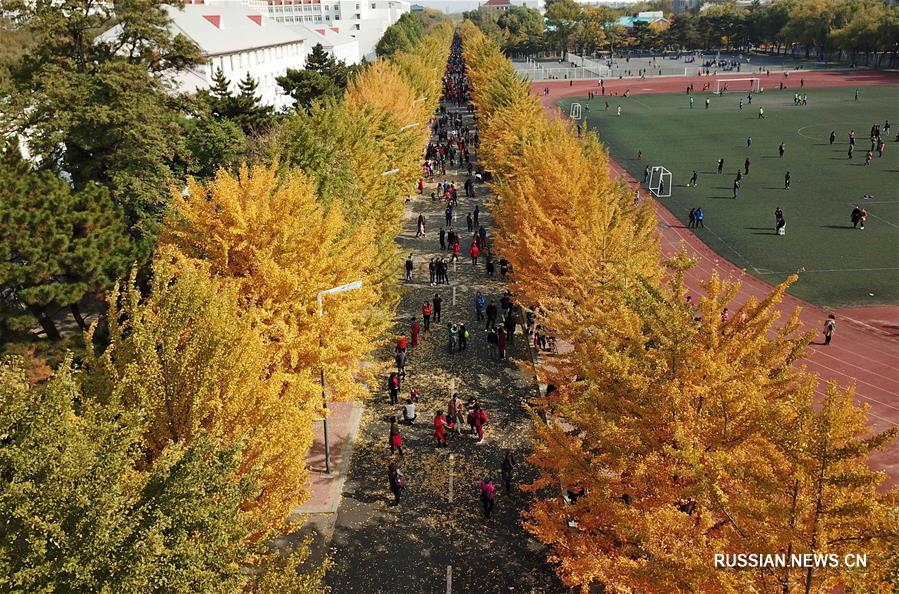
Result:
[{"x": 831, "y": 270}]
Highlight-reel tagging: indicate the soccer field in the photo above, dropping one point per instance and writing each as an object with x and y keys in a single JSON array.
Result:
[{"x": 838, "y": 265}]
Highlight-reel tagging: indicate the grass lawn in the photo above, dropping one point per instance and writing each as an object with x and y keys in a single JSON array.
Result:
[{"x": 838, "y": 265}]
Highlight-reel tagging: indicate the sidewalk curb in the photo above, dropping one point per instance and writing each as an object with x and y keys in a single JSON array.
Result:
[{"x": 335, "y": 494}]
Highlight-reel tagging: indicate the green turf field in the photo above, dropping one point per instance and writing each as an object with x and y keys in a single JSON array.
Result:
[{"x": 841, "y": 265}]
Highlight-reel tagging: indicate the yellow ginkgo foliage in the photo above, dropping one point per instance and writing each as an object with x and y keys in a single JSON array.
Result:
[
  {"x": 675, "y": 429},
  {"x": 282, "y": 247},
  {"x": 189, "y": 358}
]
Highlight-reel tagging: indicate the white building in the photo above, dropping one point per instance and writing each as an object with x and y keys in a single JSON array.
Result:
[
  {"x": 264, "y": 38},
  {"x": 361, "y": 20},
  {"x": 240, "y": 41}
]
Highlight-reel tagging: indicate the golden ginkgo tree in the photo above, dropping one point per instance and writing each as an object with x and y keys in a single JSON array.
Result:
[{"x": 677, "y": 429}]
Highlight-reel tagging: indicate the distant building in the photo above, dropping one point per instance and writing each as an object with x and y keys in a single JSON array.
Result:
[
  {"x": 240, "y": 41},
  {"x": 682, "y": 6},
  {"x": 263, "y": 38},
  {"x": 497, "y": 7},
  {"x": 362, "y": 20},
  {"x": 653, "y": 18}
]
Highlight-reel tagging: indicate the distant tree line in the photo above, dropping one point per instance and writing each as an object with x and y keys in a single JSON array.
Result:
[{"x": 863, "y": 32}]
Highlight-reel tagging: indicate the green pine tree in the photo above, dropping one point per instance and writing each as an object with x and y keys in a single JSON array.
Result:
[
  {"x": 322, "y": 77},
  {"x": 56, "y": 244}
]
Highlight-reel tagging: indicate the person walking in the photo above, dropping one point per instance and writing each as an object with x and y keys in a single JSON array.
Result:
[
  {"x": 746, "y": 165},
  {"x": 492, "y": 342},
  {"x": 440, "y": 429},
  {"x": 833, "y": 136},
  {"x": 736, "y": 188},
  {"x": 830, "y": 326},
  {"x": 749, "y": 142},
  {"x": 480, "y": 421},
  {"x": 491, "y": 314},
  {"x": 506, "y": 470},
  {"x": 414, "y": 329},
  {"x": 426, "y": 315},
  {"x": 463, "y": 338},
  {"x": 501, "y": 342},
  {"x": 438, "y": 305},
  {"x": 456, "y": 249},
  {"x": 781, "y": 149},
  {"x": 442, "y": 236},
  {"x": 409, "y": 267},
  {"x": 761, "y": 113},
  {"x": 693, "y": 180},
  {"x": 488, "y": 495},
  {"x": 455, "y": 413},
  {"x": 720, "y": 165},
  {"x": 477, "y": 214},
  {"x": 479, "y": 303},
  {"x": 396, "y": 438},
  {"x": 474, "y": 252},
  {"x": 452, "y": 337},
  {"x": 469, "y": 222},
  {"x": 855, "y": 217},
  {"x": 393, "y": 387},
  {"x": 509, "y": 323},
  {"x": 787, "y": 181},
  {"x": 400, "y": 359},
  {"x": 397, "y": 481},
  {"x": 421, "y": 225},
  {"x": 692, "y": 219},
  {"x": 700, "y": 216},
  {"x": 448, "y": 214}
]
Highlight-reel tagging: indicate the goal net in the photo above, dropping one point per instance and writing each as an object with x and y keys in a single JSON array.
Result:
[
  {"x": 723, "y": 85},
  {"x": 575, "y": 111},
  {"x": 660, "y": 182}
]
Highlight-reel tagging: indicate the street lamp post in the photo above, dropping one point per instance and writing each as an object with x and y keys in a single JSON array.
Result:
[{"x": 321, "y": 312}]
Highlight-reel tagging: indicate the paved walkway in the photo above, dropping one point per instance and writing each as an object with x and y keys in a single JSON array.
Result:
[
  {"x": 437, "y": 534},
  {"x": 865, "y": 349}
]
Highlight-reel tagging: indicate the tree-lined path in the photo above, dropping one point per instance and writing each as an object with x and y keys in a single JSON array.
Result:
[{"x": 437, "y": 530}]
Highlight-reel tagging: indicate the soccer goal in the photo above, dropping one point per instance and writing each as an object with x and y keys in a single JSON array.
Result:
[
  {"x": 660, "y": 182},
  {"x": 737, "y": 84},
  {"x": 575, "y": 112}
]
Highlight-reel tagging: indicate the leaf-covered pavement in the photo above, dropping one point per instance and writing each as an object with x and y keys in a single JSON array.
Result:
[{"x": 378, "y": 547}]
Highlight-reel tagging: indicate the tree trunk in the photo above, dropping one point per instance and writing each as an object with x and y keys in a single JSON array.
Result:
[
  {"x": 45, "y": 321},
  {"x": 819, "y": 510},
  {"x": 76, "y": 313}
]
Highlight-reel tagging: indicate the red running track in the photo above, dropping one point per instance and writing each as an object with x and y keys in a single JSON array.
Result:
[{"x": 865, "y": 350}]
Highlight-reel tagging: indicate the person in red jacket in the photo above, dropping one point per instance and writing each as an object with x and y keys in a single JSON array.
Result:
[
  {"x": 414, "y": 332},
  {"x": 440, "y": 429},
  {"x": 396, "y": 438},
  {"x": 501, "y": 342},
  {"x": 426, "y": 314},
  {"x": 456, "y": 249},
  {"x": 480, "y": 420},
  {"x": 474, "y": 252}
]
